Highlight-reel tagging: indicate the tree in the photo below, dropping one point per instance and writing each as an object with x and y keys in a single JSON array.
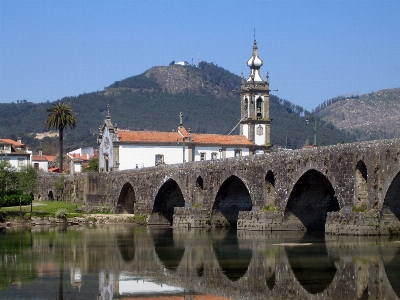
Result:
[
  {"x": 8, "y": 179},
  {"x": 27, "y": 181},
  {"x": 60, "y": 116},
  {"x": 93, "y": 165}
]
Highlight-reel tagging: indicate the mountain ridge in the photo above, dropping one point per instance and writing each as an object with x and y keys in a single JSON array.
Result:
[{"x": 208, "y": 96}]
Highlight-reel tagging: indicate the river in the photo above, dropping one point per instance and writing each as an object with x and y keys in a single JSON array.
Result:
[{"x": 126, "y": 262}]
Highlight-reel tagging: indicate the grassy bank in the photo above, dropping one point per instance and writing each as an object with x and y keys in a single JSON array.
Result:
[{"x": 39, "y": 209}]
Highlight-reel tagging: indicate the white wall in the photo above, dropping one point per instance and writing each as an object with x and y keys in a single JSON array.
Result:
[
  {"x": 13, "y": 160},
  {"x": 130, "y": 155},
  {"x": 230, "y": 152},
  {"x": 246, "y": 130},
  {"x": 259, "y": 139},
  {"x": 43, "y": 165},
  {"x": 145, "y": 156}
]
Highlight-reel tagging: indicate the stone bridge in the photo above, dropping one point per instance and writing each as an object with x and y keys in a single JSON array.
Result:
[{"x": 345, "y": 189}]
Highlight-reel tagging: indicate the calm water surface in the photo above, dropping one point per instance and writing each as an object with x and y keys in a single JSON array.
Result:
[{"x": 124, "y": 262}]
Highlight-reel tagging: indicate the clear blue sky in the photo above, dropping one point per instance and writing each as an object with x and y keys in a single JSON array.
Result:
[{"x": 313, "y": 50}]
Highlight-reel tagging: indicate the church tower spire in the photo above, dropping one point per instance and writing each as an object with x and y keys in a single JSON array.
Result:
[{"x": 254, "y": 94}]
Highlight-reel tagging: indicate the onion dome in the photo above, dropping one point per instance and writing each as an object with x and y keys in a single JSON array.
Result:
[{"x": 255, "y": 62}]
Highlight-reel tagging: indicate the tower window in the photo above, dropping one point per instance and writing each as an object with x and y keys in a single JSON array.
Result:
[{"x": 259, "y": 107}]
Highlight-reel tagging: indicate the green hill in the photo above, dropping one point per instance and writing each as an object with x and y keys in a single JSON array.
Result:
[{"x": 207, "y": 95}]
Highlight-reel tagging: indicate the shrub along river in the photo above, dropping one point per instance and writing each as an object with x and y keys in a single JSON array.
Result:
[{"x": 125, "y": 262}]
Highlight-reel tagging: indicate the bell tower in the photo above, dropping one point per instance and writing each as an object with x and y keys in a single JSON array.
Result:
[{"x": 254, "y": 112}]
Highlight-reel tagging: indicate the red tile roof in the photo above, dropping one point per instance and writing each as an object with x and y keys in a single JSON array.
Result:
[
  {"x": 11, "y": 142},
  {"x": 173, "y": 137},
  {"x": 50, "y": 157},
  {"x": 54, "y": 170},
  {"x": 39, "y": 158},
  {"x": 220, "y": 139}
]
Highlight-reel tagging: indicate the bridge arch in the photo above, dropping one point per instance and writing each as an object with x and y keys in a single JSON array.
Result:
[
  {"x": 168, "y": 196},
  {"x": 391, "y": 203},
  {"x": 126, "y": 200},
  {"x": 233, "y": 196},
  {"x": 311, "y": 198},
  {"x": 360, "y": 185}
]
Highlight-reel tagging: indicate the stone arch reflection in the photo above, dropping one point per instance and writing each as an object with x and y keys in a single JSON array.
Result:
[
  {"x": 168, "y": 197},
  {"x": 311, "y": 199},
  {"x": 311, "y": 263},
  {"x": 126, "y": 201},
  {"x": 390, "y": 255},
  {"x": 233, "y": 260},
  {"x": 391, "y": 204},
  {"x": 169, "y": 250},
  {"x": 232, "y": 197},
  {"x": 126, "y": 245}
]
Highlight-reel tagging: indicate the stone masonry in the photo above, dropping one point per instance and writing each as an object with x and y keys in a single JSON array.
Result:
[{"x": 307, "y": 189}]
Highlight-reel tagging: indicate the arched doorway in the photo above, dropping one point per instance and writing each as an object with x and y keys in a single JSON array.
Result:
[
  {"x": 231, "y": 198},
  {"x": 311, "y": 199},
  {"x": 126, "y": 201}
]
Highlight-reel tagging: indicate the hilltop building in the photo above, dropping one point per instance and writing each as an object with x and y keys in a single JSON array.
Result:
[{"x": 123, "y": 149}]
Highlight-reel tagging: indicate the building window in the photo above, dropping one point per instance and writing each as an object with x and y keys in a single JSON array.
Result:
[
  {"x": 214, "y": 155},
  {"x": 20, "y": 162},
  {"x": 36, "y": 165},
  {"x": 238, "y": 153},
  {"x": 159, "y": 159},
  {"x": 202, "y": 156}
]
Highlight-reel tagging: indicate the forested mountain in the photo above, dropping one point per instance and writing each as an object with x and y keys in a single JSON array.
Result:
[
  {"x": 370, "y": 116},
  {"x": 207, "y": 95}
]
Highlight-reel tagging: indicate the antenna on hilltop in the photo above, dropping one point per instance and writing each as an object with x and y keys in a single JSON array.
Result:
[{"x": 198, "y": 59}]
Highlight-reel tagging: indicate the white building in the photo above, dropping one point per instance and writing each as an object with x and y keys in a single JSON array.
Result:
[
  {"x": 40, "y": 162},
  {"x": 15, "y": 153},
  {"x": 121, "y": 149}
]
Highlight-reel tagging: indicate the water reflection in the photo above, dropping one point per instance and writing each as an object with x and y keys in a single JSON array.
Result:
[
  {"x": 169, "y": 251},
  {"x": 311, "y": 263},
  {"x": 233, "y": 260},
  {"x": 391, "y": 262},
  {"x": 117, "y": 262},
  {"x": 126, "y": 245}
]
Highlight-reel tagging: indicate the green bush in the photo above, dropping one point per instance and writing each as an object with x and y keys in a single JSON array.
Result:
[
  {"x": 13, "y": 200},
  {"x": 61, "y": 213}
]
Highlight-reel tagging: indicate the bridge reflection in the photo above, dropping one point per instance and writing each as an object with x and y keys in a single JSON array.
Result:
[{"x": 120, "y": 262}]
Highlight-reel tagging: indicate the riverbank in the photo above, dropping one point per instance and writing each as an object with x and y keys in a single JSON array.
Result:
[{"x": 85, "y": 219}]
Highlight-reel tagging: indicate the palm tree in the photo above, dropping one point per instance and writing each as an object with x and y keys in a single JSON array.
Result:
[{"x": 60, "y": 116}]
